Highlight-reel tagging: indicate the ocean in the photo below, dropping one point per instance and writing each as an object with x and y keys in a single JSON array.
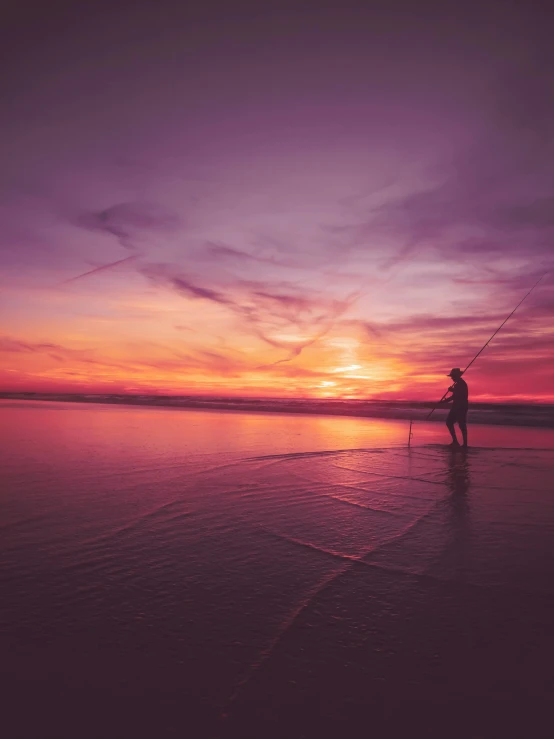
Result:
[{"x": 170, "y": 572}]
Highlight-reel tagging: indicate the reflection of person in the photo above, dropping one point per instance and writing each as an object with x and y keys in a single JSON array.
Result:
[
  {"x": 455, "y": 558},
  {"x": 458, "y": 412},
  {"x": 458, "y": 478}
]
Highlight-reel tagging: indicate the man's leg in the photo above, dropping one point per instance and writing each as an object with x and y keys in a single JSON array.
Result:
[
  {"x": 450, "y": 426},
  {"x": 463, "y": 428}
]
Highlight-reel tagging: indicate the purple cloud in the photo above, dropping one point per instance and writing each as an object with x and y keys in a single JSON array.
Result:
[{"x": 128, "y": 222}]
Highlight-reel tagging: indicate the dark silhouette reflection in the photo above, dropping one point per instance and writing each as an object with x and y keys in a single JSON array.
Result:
[
  {"x": 458, "y": 473},
  {"x": 458, "y": 479}
]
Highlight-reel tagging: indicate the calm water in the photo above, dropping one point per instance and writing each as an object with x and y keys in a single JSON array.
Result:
[{"x": 206, "y": 574}]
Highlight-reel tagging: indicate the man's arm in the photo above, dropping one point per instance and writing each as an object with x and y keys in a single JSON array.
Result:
[{"x": 451, "y": 398}]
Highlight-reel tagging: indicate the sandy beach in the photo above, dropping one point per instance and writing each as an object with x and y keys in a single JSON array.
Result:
[{"x": 231, "y": 575}]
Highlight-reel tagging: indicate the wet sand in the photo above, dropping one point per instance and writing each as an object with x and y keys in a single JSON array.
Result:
[{"x": 219, "y": 575}]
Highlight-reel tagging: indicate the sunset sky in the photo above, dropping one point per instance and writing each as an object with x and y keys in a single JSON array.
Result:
[{"x": 273, "y": 199}]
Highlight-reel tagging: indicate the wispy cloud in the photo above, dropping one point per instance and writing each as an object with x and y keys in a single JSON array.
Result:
[
  {"x": 8, "y": 344},
  {"x": 223, "y": 251},
  {"x": 102, "y": 268},
  {"x": 129, "y": 222},
  {"x": 268, "y": 315}
]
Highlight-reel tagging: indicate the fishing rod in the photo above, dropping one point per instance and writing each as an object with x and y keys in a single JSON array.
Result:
[{"x": 489, "y": 341}]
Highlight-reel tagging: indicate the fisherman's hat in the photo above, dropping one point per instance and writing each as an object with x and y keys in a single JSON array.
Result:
[{"x": 456, "y": 372}]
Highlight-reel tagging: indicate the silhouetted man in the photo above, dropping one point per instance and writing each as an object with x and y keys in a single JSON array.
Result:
[{"x": 458, "y": 412}]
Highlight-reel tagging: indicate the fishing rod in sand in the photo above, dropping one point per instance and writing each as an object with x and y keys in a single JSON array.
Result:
[{"x": 482, "y": 349}]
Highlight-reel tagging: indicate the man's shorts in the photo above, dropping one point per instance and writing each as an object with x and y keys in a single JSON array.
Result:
[{"x": 457, "y": 415}]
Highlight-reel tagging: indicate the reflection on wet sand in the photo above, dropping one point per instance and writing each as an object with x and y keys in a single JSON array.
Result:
[{"x": 458, "y": 523}]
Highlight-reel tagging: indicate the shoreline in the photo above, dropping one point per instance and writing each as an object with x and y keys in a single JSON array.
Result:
[{"x": 495, "y": 414}]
